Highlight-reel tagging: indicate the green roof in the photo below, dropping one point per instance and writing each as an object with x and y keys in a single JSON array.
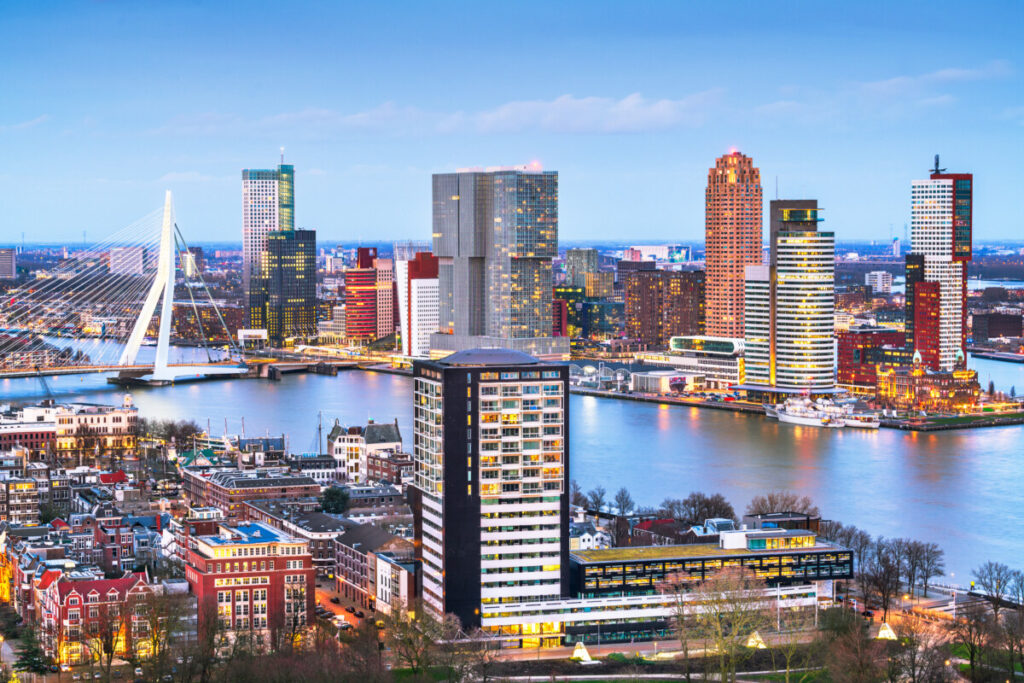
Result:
[{"x": 672, "y": 552}]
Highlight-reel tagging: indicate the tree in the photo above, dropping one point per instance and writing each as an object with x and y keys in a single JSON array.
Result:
[
  {"x": 972, "y": 630},
  {"x": 163, "y": 614},
  {"x": 919, "y": 654},
  {"x": 577, "y": 496},
  {"x": 853, "y": 657},
  {"x": 882, "y": 577},
  {"x": 995, "y": 579},
  {"x": 791, "y": 642},
  {"x": 697, "y": 507},
  {"x": 411, "y": 639},
  {"x": 782, "y": 501},
  {"x": 912, "y": 559},
  {"x": 624, "y": 501},
  {"x": 335, "y": 500},
  {"x": 728, "y": 607},
  {"x": 596, "y": 498},
  {"x": 31, "y": 656},
  {"x": 106, "y": 635},
  {"x": 933, "y": 563},
  {"x": 363, "y": 652}
]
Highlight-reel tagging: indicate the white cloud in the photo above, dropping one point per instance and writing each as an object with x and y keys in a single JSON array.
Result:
[
  {"x": 570, "y": 114},
  {"x": 31, "y": 123}
]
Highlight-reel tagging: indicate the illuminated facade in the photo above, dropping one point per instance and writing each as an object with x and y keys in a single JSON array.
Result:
[
  {"x": 252, "y": 578},
  {"x": 490, "y": 495},
  {"x": 790, "y": 304},
  {"x": 282, "y": 299},
  {"x": 920, "y": 388},
  {"x": 495, "y": 235},
  {"x": 661, "y": 304},
  {"x": 860, "y": 351},
  {"x": 941, "y": 238},
  {"x": 579, "y": 262},
  {"x": 268, "y": 205},
  {"x": 417, "y": 287},
  {"x": 732, "y": 215}
]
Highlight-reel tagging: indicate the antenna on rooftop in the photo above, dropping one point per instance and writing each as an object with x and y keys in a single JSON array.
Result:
[
  {"x": 776, "y": 187},
  {"x": 282, "y": 156},
  {"x": 937, "y": 169}
]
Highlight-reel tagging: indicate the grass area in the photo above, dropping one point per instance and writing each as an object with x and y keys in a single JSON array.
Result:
[
  {"x": 968, "y": 419},
  {"x": 819, "y": 676}
]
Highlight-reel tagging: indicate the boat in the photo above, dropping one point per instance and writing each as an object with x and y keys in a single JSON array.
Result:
[
  {"x": 803, "y": 411},
  {"x": 863, "y": 421}
]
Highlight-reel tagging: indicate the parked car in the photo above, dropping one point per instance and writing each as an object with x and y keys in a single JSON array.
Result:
[
  {"x": 336, "y": 600},
  {"x": 359, "y": 614},
  {"x": 350, "y": 609},
  {"x": 868, "y": 613}
]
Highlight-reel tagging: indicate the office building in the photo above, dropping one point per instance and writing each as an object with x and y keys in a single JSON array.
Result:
[
  {"x": 790, "y": 305},
  {"x": 8, "y": 264},
  {"x": 985, "y": 326},
  {"x": 859, "y": 352},
  {"x": 880, "y": 281},
  {"x": 599, "y": 285},
  {"x": 282, "y": 298},
  {"x": 252, "y": 578},
  {"x": 490, "y": 498},
  {"x": 579, "y": 262},
  {"x": 602, "y": 319},
  {"x": 127, "y": 260},
  {"x": 732, "y": 239},
  {"x": 268, "y": 205},
  {"x": 662, "y": 304},
  {"x": 417, "y": 288},
  {"x": 573, "y": 298},
  {"x": 559, "y": 318},
  {"x": 228, "y": 488},
  {"x": 370, "y": 297},
  {"x": 941, "y": 239},
  {"x": 719, "y": 361},
  {"x": 351, "y": 447},
  {"x": 495, "y": 234}
]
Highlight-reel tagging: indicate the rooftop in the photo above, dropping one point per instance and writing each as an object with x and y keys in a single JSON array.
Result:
[
  {"x": 474, "y": 357},
  {"x": 248, "y": 534},
  {"x": 672, "y": 552}
]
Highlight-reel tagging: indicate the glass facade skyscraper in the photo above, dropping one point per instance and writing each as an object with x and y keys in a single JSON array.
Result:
[
  {"x": 282, "y": 299},
  {"x": 268, "y": 205},
  {"x": 496, "y": 233}
]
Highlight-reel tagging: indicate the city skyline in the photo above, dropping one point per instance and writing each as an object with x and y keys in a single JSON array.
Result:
[{"x": 859, "y": 120}]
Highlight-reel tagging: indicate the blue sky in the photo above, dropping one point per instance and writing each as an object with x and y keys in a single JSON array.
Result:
[{"x": 106, "y": 104}]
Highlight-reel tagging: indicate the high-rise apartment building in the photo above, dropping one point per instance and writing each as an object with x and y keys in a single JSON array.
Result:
[
  {"x": 8, "y": 264},
  {"x": 268, "y": 205},
  {"x": 495, "y": 234},
  {"x": 880, "y": 281},
  {"x": 941, "y": 239},
  {"x": 732, "y": 215},
  {"x": 790, "y": 304},
  {"x": 417, "y": 285},
  {"x": 579, "y": 262},
  {"x": 282, "y": 296},
  {"x": 662, "y": 304},
  {"x": 490, "y": 497}
]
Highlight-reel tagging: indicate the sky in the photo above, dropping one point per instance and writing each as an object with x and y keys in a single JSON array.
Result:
[{"x": 105, "y": 104}]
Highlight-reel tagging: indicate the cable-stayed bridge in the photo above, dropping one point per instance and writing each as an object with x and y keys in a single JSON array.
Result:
[{"x": 111, "y": 308}]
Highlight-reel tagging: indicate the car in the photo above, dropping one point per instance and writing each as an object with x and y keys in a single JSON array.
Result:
[
  {"x": 359, "y": 614},
  {"x": 76, "y": 677},
  {"x": 97, "y": 675},
  {"x": 868, "y": 613},
  {"x": 344, "y": 626},
  {"x": 336, "y": 600},
  {"x": 350, "y": 609},
  {"x": 138, "y": 672},
  {"x": 181, "y": 660}
]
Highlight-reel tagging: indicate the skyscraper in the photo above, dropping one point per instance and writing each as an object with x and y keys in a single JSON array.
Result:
[
  {"x": 282, "y": 297},
  {"x": 496, "y": 233},
  {"x": 941, "y": 239},
  {"x": 490, "y": 495},
  {"x": 268, "y": 204},
  {"x": 789, "y": 328},
  {"x": 732, "y": 215},
  {"x": 361, "y": 306},
  {"x": 8, "y": 264},
  {"x": 579, "y": 262}
]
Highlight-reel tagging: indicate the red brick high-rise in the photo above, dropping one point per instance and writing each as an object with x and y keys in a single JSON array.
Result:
[{"x": 732, "y": 234}]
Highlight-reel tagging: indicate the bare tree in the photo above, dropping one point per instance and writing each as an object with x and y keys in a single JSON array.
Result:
[
  {"x": 363, "y": 653},
  {"x": 995, "y": 579},
  {"x": 792, "y": 642},
  {"x": 683, "y": 623},
  {"x": 624, "y": 501},
  {"x": 577, "y": 496},
  {"x": 728, "y": 607},
  {"x": 973, "y": 630},
  {"x": 412, "y": 638},
  {"x": 853, "y": 657},
  {"x": 913, "y": 558},
  {"x": 106, "y": 633},
  {"x": 697, "y": 507},
  {"x": 919, "y": 655},
  {"x": 782, "y": 501},
  {"x": 596, "y": 498},
  {"x": 882, "y": 576},
  {"x": 933, "y": 564}
]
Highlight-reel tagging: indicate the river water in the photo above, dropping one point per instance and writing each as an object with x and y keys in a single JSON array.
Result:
[{"x": 961, "y": 489}]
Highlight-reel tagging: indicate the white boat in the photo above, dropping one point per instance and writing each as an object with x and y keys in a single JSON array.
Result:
[
  {"x": 803, "y": 411},
  {"x": 863, "y": 421}
]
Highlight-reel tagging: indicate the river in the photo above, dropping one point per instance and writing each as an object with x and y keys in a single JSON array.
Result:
[{"x": 961, "y": 489}]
